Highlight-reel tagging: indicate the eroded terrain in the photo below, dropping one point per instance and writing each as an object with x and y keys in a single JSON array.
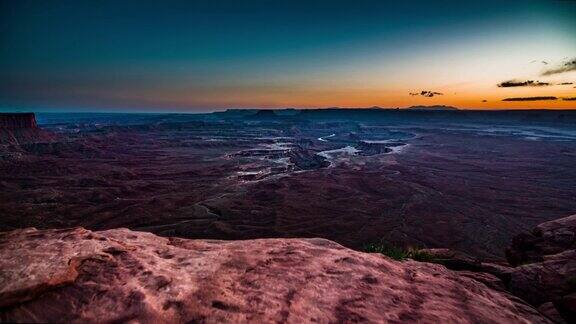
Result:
[{"x": 444, "y": 183}]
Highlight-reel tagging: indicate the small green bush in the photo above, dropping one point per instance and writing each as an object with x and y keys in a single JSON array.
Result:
[{"x": 398, "y": 253}]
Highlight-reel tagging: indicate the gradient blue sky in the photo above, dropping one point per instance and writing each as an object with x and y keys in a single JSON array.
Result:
[{"x": 211, "y": 55}]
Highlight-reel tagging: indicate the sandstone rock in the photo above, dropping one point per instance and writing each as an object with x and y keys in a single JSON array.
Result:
[
  {"x": 547, "y": 238},
  {"x": 454, "y": 260},
  {"x": 545, "y": 281},
  {"x": 488, "y": 279},
  {"x": 549, "y": 271},
  {"x": 17, "y": 120},
  {"x": 567, "y": 307},
  {"x": 76, "y": 275},
  {"x": 501, "y": 271},
  {"x": 21, "y": 128},
  {"x": 549, "y": 310}
]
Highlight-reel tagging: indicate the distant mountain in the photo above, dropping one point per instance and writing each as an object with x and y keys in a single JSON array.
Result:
[{"x": 430, "y": 108}]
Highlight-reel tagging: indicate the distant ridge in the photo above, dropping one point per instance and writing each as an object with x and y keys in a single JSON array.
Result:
[{"x": 432, "y": 108}]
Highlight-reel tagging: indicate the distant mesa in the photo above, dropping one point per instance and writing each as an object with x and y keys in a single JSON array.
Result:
[
  {"x": 432, "y": 108},
  {"x": 263, "y": 114},
  {"x": 18, "y": 120},
  {"x": 21, "y": 128}
]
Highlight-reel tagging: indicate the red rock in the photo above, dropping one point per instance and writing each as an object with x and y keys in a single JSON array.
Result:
[
  {"x": 17, "y": 129},
  {"x": 17, "y": 120},
  {"x": 488, "y": 279},
  {"x": 546, "y": 239},
  {"x": 547, "y": 273},
  {"x": 121, "y": 275},
  {"x": 455, "y": 260},
  {"x": 567, "y": 307},
  {"x": 545, "y": 281},
  {"x": 550, "y": 311}
]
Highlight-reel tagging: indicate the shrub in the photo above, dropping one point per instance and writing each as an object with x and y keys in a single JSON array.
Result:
[{"x": 398, "y": 253}]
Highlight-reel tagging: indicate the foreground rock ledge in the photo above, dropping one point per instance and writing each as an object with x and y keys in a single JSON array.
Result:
[{"x": 122, "y": 275}]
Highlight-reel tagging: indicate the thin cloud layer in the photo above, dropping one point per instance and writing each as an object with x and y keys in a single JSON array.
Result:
[
  {"x": 531, "y": 98},
  {"x": 566, "y": 83},
  {"x": 517, "y": 83},
  {"x": 569, "y": 99},
  {"x": 426, "y": 93},
  {"x": 564, "y": 67}
]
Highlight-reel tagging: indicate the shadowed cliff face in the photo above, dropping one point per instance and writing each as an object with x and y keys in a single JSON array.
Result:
[
  {"x": 17, "y": 120},
  {"x": 121, "y": 275},
  {"x": 546, "y": 271},
  {"x": 17, "y": 131}
]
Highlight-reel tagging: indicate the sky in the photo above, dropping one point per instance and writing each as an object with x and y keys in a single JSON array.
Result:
[{"x": 198, "y": 56}]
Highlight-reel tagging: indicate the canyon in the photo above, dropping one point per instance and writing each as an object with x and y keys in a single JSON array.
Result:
[{"x": 139, "y": 197}]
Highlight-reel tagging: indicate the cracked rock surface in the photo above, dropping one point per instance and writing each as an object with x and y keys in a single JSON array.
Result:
[{"x": 76, "y": 275}]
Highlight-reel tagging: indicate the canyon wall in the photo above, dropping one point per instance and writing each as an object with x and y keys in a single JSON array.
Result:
[{"x": 17, "y": 120}]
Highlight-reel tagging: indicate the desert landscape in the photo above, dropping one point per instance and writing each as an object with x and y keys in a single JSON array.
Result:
[
  {"x": 353, "y": 177},
  {"x": 287, "y": 161},
  {"x": 366, "y": 179}
]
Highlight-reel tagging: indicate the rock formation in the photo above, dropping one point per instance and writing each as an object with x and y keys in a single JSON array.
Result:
[
  {"x": 121, "y": 275},
  {"x": 546, "y": 274},
  {"x": 20, "y": 128},
  {"x": 545, "y": 239},
  {"x": 433, "y": 108},
  {"x": 542, "y": 271},
  {"x": 17, "y": 120}
]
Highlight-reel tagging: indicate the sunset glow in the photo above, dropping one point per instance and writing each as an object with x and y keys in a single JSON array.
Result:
[{"x": 201, "y": 57}]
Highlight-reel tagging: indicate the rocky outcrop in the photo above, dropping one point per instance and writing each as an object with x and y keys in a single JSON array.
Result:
[
  {"x": 547, "y": 281},
  {"x": 17, "y": 120},
  {"x": 546, "y": 271},
  {"x": 17, "y": 130},
  {"x": 546, "y": 239},
  {"x": 307, "y": 160},
  {"x": 121, "y": 275},
  {"x": 454, "y": 260},
  {"x": 369, "y": 149},
  {"x": 542, "y": 271}
]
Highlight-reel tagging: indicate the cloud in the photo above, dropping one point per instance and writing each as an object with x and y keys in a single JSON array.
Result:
[
  {"x": 517, "y": 83},
  {"x": 484, "y": 100},
  {"x": 566, "y": 83},
  {"x": 569, "y": 99},
  {"x": 530, "y": 98},
  {"x": 567, "y": 66},
  {"x": 426, "y": 93}
]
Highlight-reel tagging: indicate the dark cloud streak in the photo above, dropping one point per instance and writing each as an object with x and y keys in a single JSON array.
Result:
[
  {"x": 564, "y": 67},
  {"x": 517, "y": 83},
  {"x": 426, "y": 93},
  {"x": 531, "y": 98}
]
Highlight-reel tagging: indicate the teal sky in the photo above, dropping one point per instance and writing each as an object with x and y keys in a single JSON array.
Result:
[{"x": 203, "y": 56}]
